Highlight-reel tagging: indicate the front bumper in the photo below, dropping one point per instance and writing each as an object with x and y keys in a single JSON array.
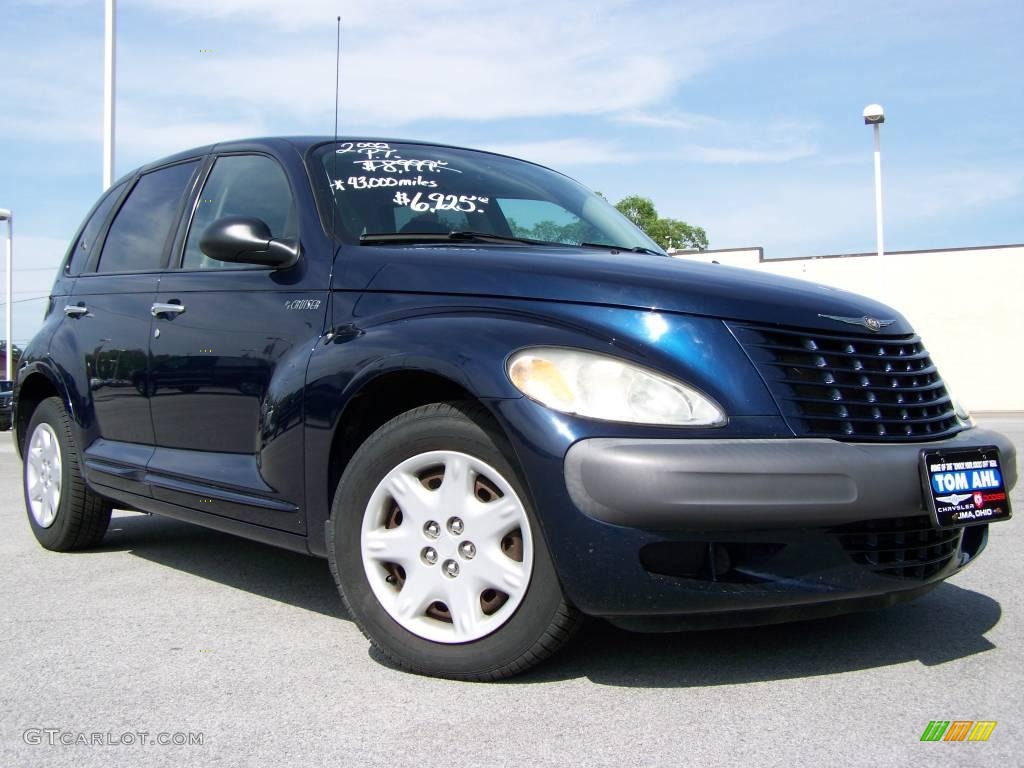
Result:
[
  {"x": 633, "y": 541},
  {"x": 699, "y": 485}
]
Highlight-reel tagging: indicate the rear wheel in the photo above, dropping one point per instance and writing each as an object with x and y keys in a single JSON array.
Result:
[
  {"x": 437, "y": 551},
  {"x": 63, "y": 512}
]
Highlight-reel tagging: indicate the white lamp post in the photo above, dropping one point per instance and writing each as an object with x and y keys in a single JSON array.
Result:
[
  {"x": 109, "y": 51},
  {"x": 874, "y": 116},
  {"x": 7, "y": 216}
]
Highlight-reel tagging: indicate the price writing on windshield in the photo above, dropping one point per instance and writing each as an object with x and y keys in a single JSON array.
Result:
[
  {"x": 371, "y": 149},
  {"x": 401, "y": 165},
  {"x": 436, "y": 201}
]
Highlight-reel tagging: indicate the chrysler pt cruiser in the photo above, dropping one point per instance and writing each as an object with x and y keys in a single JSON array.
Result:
[{"x": 490, "y": 402}]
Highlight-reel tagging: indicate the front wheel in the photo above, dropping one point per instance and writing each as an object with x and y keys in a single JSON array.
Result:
[{"x": 437, "y": 552}]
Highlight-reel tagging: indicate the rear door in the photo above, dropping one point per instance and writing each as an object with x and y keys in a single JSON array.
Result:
[
  {"x": 228, "y": 356},
  {"x": 109, "y": 320}
]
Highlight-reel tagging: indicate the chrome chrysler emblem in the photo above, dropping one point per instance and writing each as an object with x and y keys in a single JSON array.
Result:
[{"x": 873, "y": 324}]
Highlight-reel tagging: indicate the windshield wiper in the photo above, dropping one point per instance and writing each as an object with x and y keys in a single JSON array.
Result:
[
  {"x": 630, "y": 249},
  {"x": 439, "y": 237},
  {"x": 486, "y": 237}
]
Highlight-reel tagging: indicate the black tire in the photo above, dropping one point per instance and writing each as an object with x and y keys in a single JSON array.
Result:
[
  {"x": 541, "y": 624},
  {"x": 82, "y": 515}
]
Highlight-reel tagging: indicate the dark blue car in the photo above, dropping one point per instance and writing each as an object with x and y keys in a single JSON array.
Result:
[{"x": 490, "y": 402}]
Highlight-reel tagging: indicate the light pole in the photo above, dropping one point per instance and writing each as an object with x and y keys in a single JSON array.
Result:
[
  {"x": 109, "y": 62},
  {"x": 8, "y": 216},
  {"x": 874, "y": 116}
]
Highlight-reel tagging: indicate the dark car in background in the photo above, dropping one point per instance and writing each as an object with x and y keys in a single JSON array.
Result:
[
  {"x": 490, "y": 402},
  {"x": 6, "y": 403}
]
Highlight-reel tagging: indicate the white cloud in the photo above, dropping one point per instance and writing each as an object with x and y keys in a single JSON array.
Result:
[
  {"x": 35, "y": 264},
  {"x": 401, "y": 63},
  {"x": 559, "y": 153},
  {"x": 314, "y": 14},
  {"x": 790, "y": 216},
  {"x": 38, "y": 253},
  {"x": 49, "y": 97},
  {"x": 582, "y": 151},
  {"x": 943, "y": 193},
  {"x": 841, "y": 159},
  {"x": 381, "y": 84},
  {"x": 744, "y": 155},
  {"x": 140, "y": 139},
  {"x": 404, "y": 62},
  {"x": 802, "y": 215},
  {"x": 715, "y": 140},
  {"x": 672, "y": 119}
]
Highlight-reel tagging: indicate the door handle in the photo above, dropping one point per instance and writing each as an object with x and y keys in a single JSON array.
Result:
[
  {"x": 166, "y": 309},
  {"x": 76, "y": 310}
]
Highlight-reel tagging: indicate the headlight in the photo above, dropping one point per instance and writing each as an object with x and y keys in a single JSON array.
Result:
[
  {"x": 961, "y": 413},
  {"x": 966, "y": 420},
  {"x": 602, "y": 387}
]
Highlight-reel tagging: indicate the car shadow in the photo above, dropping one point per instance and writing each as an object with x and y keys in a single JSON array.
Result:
[
  {"x": 945, "y": 625},
  {"x": 261, "y": 569}
]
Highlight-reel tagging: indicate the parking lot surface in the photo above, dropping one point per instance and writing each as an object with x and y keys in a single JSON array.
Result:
[{"x": 171, "y": 630}]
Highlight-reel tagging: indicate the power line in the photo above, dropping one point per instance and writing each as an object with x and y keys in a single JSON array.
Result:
[{"x": 22, "y": 301}]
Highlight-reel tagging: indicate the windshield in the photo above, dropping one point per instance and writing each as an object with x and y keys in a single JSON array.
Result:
[{"x": 381, "y": 188}]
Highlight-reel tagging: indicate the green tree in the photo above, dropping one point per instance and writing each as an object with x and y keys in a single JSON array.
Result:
[
  {"x": 572, "y": 233},
  {"x": 668, "y": 233}
]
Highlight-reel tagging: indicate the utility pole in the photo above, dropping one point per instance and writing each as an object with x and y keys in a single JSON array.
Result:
[
  {"x": 874, "y": 116},
  {"x": 109, "y": 62}
]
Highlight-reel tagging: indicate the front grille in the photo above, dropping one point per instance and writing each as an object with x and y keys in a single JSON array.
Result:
[
  {"x": 905, "y": 547},
  {"x": 852, "y": 387}
]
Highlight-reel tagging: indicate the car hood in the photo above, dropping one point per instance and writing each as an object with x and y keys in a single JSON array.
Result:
[{"x": 595, "y": 276}]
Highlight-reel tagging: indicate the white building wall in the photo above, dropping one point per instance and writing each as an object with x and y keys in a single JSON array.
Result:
[{"x": 967, "y": 305}]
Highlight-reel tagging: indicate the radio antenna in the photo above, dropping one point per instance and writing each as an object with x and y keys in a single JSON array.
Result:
[
  {"x": 334, "y": 146},
  {"x": 337, "y": 79}
]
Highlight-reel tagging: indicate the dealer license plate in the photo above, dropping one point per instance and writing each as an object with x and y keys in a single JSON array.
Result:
[{"x": 965, "y": 486}]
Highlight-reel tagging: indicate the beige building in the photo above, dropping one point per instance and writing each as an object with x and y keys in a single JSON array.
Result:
[{"x": 966, "y": 303}]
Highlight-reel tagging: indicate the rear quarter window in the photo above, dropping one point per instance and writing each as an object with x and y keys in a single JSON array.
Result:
[{"x": 90, "y": 233}]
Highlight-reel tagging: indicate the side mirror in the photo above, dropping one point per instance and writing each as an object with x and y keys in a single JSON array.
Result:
[{"x": 244, "y": 240}]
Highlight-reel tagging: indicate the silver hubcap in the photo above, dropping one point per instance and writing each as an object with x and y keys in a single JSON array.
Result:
[
  {"x": 446, "y": 547},
  {"x": 43, "y": 475}
]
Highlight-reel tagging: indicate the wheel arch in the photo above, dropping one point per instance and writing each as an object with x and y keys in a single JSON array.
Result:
[
  {"x": 378, "y": 400},
  {"x": 35, "y": 384},
  {"x": 364, "y": 376}
]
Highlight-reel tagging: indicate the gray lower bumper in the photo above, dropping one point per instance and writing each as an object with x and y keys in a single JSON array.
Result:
[{"x": 729, "y": 484}]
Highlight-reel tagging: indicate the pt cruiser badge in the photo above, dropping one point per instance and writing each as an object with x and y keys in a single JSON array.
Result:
[{"x": 299, "y": 304}]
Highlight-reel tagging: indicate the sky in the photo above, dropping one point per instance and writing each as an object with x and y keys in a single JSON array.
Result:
[{"x": 740, "y": 117}]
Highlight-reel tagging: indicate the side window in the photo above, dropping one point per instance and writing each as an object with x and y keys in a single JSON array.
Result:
[
  {"x": 86, "y": 242},
  {"x": 241, "y": 185},
  {"x": 139, "y": 232}
]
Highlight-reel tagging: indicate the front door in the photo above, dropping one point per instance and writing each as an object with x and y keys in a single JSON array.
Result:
[{"x": 229, "y": 340}]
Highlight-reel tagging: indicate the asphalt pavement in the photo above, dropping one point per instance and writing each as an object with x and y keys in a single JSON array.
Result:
[{"x": 185, "y": 634}]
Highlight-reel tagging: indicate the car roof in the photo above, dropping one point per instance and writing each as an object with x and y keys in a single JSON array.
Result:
[{"x": 300, "y": 143}]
